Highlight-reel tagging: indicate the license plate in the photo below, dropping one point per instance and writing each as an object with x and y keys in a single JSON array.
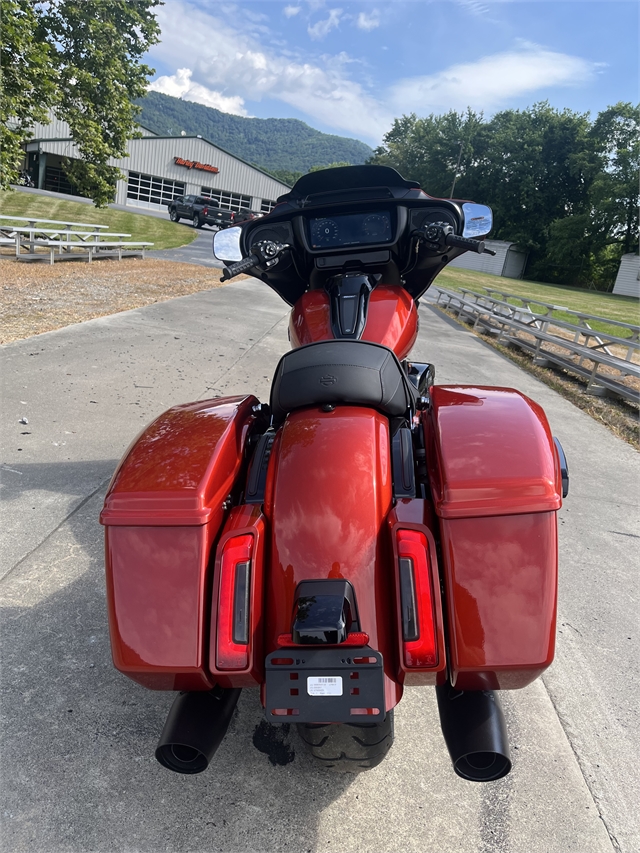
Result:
[
  {"x": 324, "y": 685},
  {"x": 312, "y": 684}
]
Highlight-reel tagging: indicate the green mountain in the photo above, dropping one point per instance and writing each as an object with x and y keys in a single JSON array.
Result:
[{"x": 271, "y": 143}]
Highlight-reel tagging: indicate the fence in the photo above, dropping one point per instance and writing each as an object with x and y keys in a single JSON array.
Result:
[{"x": 609, "y": 362}]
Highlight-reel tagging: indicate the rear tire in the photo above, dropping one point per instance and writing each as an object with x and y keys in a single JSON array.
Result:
[
  {"x": 348, "y": 748},
  {"x": 197, "y": 222}
]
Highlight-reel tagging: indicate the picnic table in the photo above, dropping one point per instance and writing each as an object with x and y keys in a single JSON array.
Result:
[
  {"x": 29, "y": 236},
  {"x": 582, "y": 317},
  {"x": 31, "y": 220},
  {"x": 66, "y": 240},
  {"x": 89, "y": 251}
]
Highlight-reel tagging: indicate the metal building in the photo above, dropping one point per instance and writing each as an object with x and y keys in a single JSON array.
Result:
[
  {"x": 509, "y": 261},
  {"x": 157, "y": 169},
  {"x": 628, "y": 278}
]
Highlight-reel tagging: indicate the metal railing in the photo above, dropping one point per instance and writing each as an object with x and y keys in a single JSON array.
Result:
[{"x": 609, "y": 362}]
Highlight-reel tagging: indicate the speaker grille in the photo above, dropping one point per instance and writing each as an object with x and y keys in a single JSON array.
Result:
[{"x": 279, "y": 233}]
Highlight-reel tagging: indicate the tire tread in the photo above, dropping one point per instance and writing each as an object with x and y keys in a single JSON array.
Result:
[{"x": 348, "y": 748}]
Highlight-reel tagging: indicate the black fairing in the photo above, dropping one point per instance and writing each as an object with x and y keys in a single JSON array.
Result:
[
  {"x": 347, "y": 190},
  {"x": 344, "y": 179}
]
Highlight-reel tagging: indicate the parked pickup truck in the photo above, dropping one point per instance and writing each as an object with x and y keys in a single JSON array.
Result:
[{"x": 201, "y": 211}]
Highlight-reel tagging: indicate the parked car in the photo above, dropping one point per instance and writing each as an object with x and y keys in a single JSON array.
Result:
[
  {"x": 244, "y": 216},
  {"x": 200, "y": 211}
]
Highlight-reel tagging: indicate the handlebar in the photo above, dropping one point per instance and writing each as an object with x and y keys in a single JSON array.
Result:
[
  {"x": 465, "y": 243},
  {"x": 240, "y": 267},
  {"x": 468, "y": 243},
  {"x": 266, "y": 252}
]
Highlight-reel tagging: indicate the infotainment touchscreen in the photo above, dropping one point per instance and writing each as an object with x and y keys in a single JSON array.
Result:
[{"x": 355, "y": 229}]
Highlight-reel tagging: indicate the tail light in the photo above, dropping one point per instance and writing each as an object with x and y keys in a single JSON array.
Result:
[
  {"x": 232, "y": 641},
  {"x": 205, "y": 210},
  {"x": 416, "y": 598}
]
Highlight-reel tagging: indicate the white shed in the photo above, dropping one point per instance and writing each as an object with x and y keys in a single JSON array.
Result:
[
  {"x": 509, "y": 261},
  {"x": 628, "y": 278}
]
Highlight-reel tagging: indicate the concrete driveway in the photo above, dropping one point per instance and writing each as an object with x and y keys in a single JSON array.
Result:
[{"x": 78, "y": 771}]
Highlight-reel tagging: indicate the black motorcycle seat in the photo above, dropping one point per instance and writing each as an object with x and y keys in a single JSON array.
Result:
[{"x": 340, "y": 372}]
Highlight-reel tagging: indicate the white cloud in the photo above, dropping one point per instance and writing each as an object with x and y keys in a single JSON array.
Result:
[
  {"x": 290, "y": 11},
  {"x": 323, "y": 28},
  {"x": 474, "y": 6},
  {"x": 179, "y": 85},
  {"x": 224, "y": 63},
  {"x": 226, "y": 59},
  {"x": 368, "y": 22},
  {"x": 491, "y": 81}
]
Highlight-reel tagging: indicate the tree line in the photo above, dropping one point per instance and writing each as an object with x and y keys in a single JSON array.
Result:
[{"x": 562, "y": 186}]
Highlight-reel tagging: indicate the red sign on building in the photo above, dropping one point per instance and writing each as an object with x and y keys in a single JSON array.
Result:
[{"x": 195, "y": 164}]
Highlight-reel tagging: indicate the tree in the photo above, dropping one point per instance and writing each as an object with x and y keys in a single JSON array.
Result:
[
  {"x": 90, "y": 71},
  {"x": 287, "y": 176},
  {"x": 537, "y": 168},
  {"x": 28, "y": 83},
  {"x": 615, "y": 191},
  {"x": 435, "y": 150},
  {"x": 587, "y": 247}
]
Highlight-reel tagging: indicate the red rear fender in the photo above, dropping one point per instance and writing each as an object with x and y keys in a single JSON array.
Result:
[{"x": 329, "y": 493}]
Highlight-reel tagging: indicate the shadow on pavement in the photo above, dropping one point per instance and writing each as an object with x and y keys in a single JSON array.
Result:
[
  {"x": 78, "y": 762},
  {"x": 64, "y": 478}
]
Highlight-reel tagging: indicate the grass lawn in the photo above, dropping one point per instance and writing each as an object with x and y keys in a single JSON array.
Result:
[
  {"x": 625, "y": 309},
  {"x": 162, "y": 233}
]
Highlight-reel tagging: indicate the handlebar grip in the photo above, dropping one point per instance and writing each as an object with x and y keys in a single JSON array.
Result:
[
  {"x": 465, "y": 243},
  {"x": 240, "y": 267}
]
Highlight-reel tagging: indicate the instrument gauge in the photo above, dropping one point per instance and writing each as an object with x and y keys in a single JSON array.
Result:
[
  {"x": 437, "y": 217},
  {"x": 324, "y": 232},
  {"x": 377, "y": 227}
]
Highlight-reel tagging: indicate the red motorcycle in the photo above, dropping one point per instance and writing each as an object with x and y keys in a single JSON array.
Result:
[{"x": 365, "y": 530}]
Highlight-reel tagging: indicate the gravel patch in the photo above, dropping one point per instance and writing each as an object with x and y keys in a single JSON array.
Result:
[{"x": 36, "y": 297}]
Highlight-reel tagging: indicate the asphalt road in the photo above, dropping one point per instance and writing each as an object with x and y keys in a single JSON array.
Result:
[
  {"x": 78, "y": 772},
  {"x": 199, "y": 252}
]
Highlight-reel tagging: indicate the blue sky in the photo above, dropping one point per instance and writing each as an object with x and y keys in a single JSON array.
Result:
[{"x": 351, "y": 67}]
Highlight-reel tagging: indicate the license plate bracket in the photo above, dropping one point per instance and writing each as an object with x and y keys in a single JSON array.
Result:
[{"x": 325, "y": 685}]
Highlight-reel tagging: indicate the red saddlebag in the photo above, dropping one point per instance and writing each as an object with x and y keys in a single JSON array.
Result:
[
  {"x": 162, "y": 513},
  {"x": 496, "y": 484}
]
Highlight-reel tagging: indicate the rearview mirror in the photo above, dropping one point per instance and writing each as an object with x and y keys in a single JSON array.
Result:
[
  {"x": 226, "y": 245},
  {"x": 478, "y": 220}
]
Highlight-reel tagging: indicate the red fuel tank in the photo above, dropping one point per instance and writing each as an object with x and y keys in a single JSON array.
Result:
[{"x": 392, "y": 319}]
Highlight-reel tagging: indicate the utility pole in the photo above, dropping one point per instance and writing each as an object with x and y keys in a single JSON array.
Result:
[{"x": 455, "y": 177}]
